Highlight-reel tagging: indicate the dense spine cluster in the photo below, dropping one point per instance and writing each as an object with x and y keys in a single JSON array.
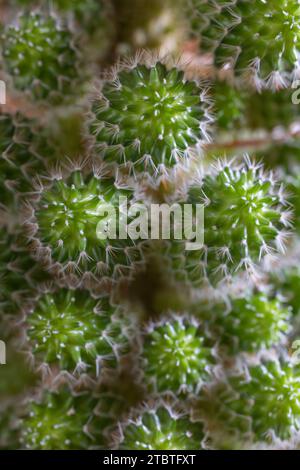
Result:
[{"x": 149, "y": 117}]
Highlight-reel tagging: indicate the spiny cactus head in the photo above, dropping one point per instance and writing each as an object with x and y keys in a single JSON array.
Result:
[
  {"x": 241, "y": 35},
  {"x": 60, "y": 420},
  {"x": 71, "y": 329},
  {"x": 40, "y": 57},
  {"x": 253, "y": 323},
  {"x": 65, "y": 221},
  {"x": 259, "y": 403},
  {"x": 160, "y": 427},
  {"x": 246, "y": 217},
  {"x": 175, "y": 355},
  {"x": 150, "y": 117}
]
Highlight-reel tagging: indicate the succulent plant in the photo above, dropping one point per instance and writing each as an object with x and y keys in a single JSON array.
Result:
[
  {"x": 71, "y": 329},
  {"x": 60, "y": 420},
  {"x": 253, "y": 323},
  {"x": 246, "y": 217},
  {"x": 40, "y": 58},
  {"x": 176, "y": 355},
  {"x": 259, "y": 403},
  {"x": 91, "y": 19},
  {"x": 73, "y": 225},
  {"x": 161, "y": 427},
  {"x": 149, "y": 116},
  {"x": 257, "y": 38}
]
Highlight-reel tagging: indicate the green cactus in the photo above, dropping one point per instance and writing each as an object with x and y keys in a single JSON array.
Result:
[
  {"x": 246, "y": 218},
  {"x": 65, "y": 222},
  {"x": 161, "y": 428},
  {"x": 175, "y": 355},
  {"x": 253, "y": 323},
  {"x": 76, "y": 332},
  {"x": 61, "y": 420},
  {"x": 258, "y": 404},
  {"x": 91, "y": 17},
  {"x": 149, "y": 117},
  {"x": 259, "y": 38},
  {"x": 39, "y": 56}
]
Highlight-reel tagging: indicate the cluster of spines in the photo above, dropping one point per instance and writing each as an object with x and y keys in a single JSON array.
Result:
[
  {"x": 149, "y": 117},
  {"x": 160, "y": 426},
  {"x": 63, "y": 225},
  {"x": 246, "y": 218},
  {"x": 176, "y": 355},
  {"x": 259, "y": 40},
  {"x": 73, "y": 332},
  {"x": 253, "y": 402},
  {"x": 40, "y": 59}
]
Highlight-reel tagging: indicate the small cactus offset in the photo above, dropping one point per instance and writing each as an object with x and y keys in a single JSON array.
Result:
[
  {"x": 149, "y": 117},
  {"x": 273, "y": 413},
  {"x": 76, "y": 332},
  {"x": 40, "y": 57},
  {"x": 149, "y": 225},
  {"x": 161, "y": 427},
  {"x": 247, "y": 217},
  {"x": 63, "y": 225},
  {"x": 259, "y": 40},
  {"x": 175, "y": 357}
]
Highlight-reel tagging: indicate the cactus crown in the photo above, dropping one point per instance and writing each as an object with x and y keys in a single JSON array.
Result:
[
  {"x": 39, "y": 55},
  {"x": 175, "y": 357},
  {"x": 161, "y": 428},
  {"x": 149, "y": 116},
  {"x": 60, "y": 420},
  {"x": 258, "y": 36},
  {"x": 253, "y": 323},
  {"x": 79, "y": 333},
  {"x": 259, "y": 404},
  {"x": 67, "y": 216},
  {"x": 246, "y": 218}
]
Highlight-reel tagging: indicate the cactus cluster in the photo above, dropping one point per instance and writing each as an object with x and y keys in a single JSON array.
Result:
[{"x": 117, "y": 341}]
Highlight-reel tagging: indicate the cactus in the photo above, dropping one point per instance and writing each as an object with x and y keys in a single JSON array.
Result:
[
  {"x": 246, "y": 218},
  {"x": 175, "y": 355},
  {"x": 70, "y": 329},
  {"x": 60, "y": 420},
  {"x": 40, "y": 58},
  {"x": 92, "y": 18},
  {"x": 65, "y": 222},
  {"x": 150, "y": 117},
  {"x": 160, "y": 427},
  {"x": 259, "y": 403},
  {"x": 253, "y": 323},
  {"x": 241, "y": 36}
]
